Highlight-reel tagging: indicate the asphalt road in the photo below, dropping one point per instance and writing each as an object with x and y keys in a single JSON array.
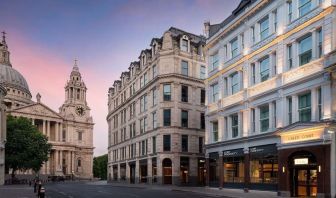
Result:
[{"x": 87, "y": 190}]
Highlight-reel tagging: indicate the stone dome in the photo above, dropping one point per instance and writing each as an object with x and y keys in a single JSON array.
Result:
[{"x": 10, "y": 78}]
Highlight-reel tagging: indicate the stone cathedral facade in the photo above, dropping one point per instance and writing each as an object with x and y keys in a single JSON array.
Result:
[{"x": 70, "y": 131}]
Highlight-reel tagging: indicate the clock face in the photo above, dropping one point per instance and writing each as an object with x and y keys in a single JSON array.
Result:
[{"x": 80, "y": 110}]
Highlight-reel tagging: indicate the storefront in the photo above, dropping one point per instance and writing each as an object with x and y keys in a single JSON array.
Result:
[
  {"x": 213, "y": 169},
  {"x": 304, "y": 157},
  {"x": 154, "y": 170},
  {"x": 263, "y": 166},
  {"x": 184, "y": 170},
  {"x": 234, "y": 168},
  {"x": 201, "y": 171},
  {"x": 143, "y": 171}
]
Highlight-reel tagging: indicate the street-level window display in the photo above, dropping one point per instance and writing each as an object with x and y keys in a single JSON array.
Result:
[
  {"x": 264, "y": 164},
  {"x": 233, "y": 166}
]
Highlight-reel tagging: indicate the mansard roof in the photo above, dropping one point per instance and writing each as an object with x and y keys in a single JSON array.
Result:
[
  {"x": 177, "y": 33},
  {"x": 240, "y": 8},
  {"x": 158, "y": 40}
]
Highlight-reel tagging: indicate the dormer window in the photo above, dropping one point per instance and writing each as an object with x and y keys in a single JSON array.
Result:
[
  {"x": 185, "y": 44},
  {"x": 143, "y": 60}
]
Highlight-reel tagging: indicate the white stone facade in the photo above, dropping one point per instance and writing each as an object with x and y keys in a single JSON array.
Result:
[
  {"x": 166, "y": 81},
  {"x": 268, "y": 81}
]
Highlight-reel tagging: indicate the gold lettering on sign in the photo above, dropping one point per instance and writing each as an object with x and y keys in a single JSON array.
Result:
[{"x": 302, "y": 135}]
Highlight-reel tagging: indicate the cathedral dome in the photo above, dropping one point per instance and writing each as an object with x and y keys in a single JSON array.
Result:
[{"x": 10, "y": 78}]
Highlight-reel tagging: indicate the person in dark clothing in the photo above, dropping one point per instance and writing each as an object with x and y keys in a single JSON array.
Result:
[
  {"x": 39, "y": 188},
  {"x": 35, "y": 185}
]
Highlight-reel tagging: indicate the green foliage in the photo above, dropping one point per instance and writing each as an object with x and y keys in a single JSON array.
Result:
[
  {"x": 100, "y": 167},
  {"x": 26, "y": 146}
]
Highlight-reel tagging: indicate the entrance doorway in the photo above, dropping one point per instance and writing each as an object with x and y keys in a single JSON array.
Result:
[
  {"x": 132, "y": 173},
  {"x": 167, "y": 171},
  {"x": 303, "y": 174}
]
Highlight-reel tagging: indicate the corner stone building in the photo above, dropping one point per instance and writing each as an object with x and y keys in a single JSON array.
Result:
[
  {"x": 156, "y": 114},
  {"x": 69, "y": 131}
]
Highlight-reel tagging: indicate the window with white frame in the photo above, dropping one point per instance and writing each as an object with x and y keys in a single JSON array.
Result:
[
  {"x": 290, "y": 56},
  {"x": 184, "y": 45},
  {"x": 305, "y": 107},
  {"x": 141, "y": 82},
  {"x": 202, "y": 72},
  {"x": 264, "y": 28},
  {"x": 290, "y": 11},
  {"x": 234, "y": 82},
  {"x": 253, "y": 34},
  {"x": 319, "y": 37},
  {"x": 154, "y": 96},
  {"x": 305, "y": 49},
  {"x": 214, "y": 61},
  {"x": 184, "y": 68},
  {"x": 253, "y": 73},
  {"x": 264, "y": 118},
  {"x": 264, "y": 69},
  {"x": 275, "y": 18},
  {"x": 154, "y": 120},
  {"x": 167, "y": 92},
  {"x": 234, "y": 125},
  {"x": 145, "y": 78},
  {"x": 215, "y": 93},
  {"x": 215, "y": 131},
  {"x": 304, "y": 7},
  {"x": 154, "y": 71},
  {"x": 234, "y": 47}
]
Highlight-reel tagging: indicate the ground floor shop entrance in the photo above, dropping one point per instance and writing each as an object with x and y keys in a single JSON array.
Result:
[
  {"x": 167, "y": 171},
  {"x": 303, "y": 174},
  {"x": 132, "y": 172}
]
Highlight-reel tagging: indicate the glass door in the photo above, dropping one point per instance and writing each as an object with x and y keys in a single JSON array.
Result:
[{"x": 305, "y": 182}]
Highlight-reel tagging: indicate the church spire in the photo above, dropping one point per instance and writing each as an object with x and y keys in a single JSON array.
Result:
[
  {"x": 75, "y": 89},
  {"x": 4, "y": 53}
]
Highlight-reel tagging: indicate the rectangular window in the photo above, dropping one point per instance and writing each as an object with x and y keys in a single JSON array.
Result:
[
  {"x": 80, "y": 136},
  {"x": 264, "y": 118},
  {"x": 253, "y": 119},
  {"x": 154, "y": 144},
  {"x": 264, "y": 69},
  {"x": 154, "y": 71},
  {"x": 134, "y": 129},
  {"x": 215, "y": 131},
  {"x": 145, "y": 124},
  {"x": 275, "y": 14},
  {"x": 202, "y": 96},
  {"x": 234, "y": 124},
  {"x": 290, "y": 111},
  {"x": 184, "y": 143},
  {"x": 319, "y": 101},
  {"x": 305, "y": 107},
  {"x": 290, "y": 11},
  {"x": 142, "y": 126},
  {"x": 166, "y": 92},
  {"x": 253, "y": 34},
  {"x": 215, "y": 94},
  {"x": 264, "y": 28},
  {"x": 319, "y": 36},
  {"x": 154, "y": 94},
  {"x": 290, "y": 56},
  {"x": 234, "y": 47},
  {"x": 166, "y": 142},
  {"x": 141, "y": 82},
  {"x": 154, "y": 120},
  {"x": 166, "y": 117},
  {"x": 305, "y": 50},
  {"x": 200, "y": 144},
  {"x": 184, "y": 93},
  {"x": 214, "y": 61},
  {"x": 304, "y": 7},
  {"x": 184, "y": 118},
  {"x": 253, "y": 75},
  {"x": 202, "y": 72},
  {"x": 202, "y": 121},
  {"x": 184, "y": 68},
  {"x": 145, "y": 78},
  {"x": 234, "y": 82},
  {"x": 184, "y": 46}
]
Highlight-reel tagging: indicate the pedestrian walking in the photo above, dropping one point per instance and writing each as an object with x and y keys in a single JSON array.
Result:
[
  {"x": 39, "y": 188},
  {"x": 35, "y": 185}
]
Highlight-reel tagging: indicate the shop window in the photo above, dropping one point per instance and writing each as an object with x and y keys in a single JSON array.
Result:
[{"x": 234, "y": 169}]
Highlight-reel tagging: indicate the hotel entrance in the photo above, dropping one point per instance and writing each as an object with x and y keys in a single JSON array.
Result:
[{"x": 303, "y": 174}]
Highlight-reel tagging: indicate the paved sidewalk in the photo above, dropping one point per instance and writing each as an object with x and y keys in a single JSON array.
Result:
[
  {"x": 215, "y": 192},
  {"x": 17, "y": 191}
]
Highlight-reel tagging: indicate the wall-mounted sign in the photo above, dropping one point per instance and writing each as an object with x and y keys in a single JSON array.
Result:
[
  {"x": 301, "y": 161},
  {"x": 302, "y": 135},
  {"x": 233, "y": 153}
]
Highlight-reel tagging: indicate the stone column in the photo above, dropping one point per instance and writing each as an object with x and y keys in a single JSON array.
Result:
[
  {"x": 328, "y": 97},
  {"x": 241, "y": 80},
  {"x": 257, "y": 120},
  {"x": 57, "y": 132},
  {"x": 61, "y": 132},
  {"x": 295, "y": 55},
  {"x": 44, "y": 127},
  {"x": 159, "y": 170},
  {"x": 48, "y": 129},
  {"x": 56, "y": 160},
  {"x": 73, "y": 162},
  {"x": 207, "y": 166},
  {"x": 69, "y": 162},
  {"x": 257, "y": 72},
  {"x": 314, "y": 104},
  {"x": 220, "y": 128},
  {"x": 61, "y": 160},
  {"x": 314, "y": 43},
  {"x": 229, "y": 88},
  {"x": 246, "y": 122},
  {"x": 118, "y": 172},
  {"x": 193, "y": 171},
  {"x": 295, "y": 108},
  {"x": 149, "y": 170},
  {"x": 221, "y": 170},
  {"x": 176, "y": 171},
  {"x": 137, "y": 172},
  {"x": 270, "y": 115},
  {"x": 229, "y": 131}
]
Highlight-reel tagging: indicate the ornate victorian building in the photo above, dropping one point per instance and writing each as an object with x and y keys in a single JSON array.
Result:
[
  {"x": 156, "y": 114},
  {"x": 69, "y": 131},
  {"x": 271, "y": 98}
]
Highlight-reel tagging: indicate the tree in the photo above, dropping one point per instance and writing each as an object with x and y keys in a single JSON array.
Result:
[
  {"x": 100, "y": 166},
  {"x": 26, "y": 147}
]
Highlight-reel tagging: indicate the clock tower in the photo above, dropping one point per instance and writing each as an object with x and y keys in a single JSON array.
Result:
[{"x": 75, "y": 105}]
